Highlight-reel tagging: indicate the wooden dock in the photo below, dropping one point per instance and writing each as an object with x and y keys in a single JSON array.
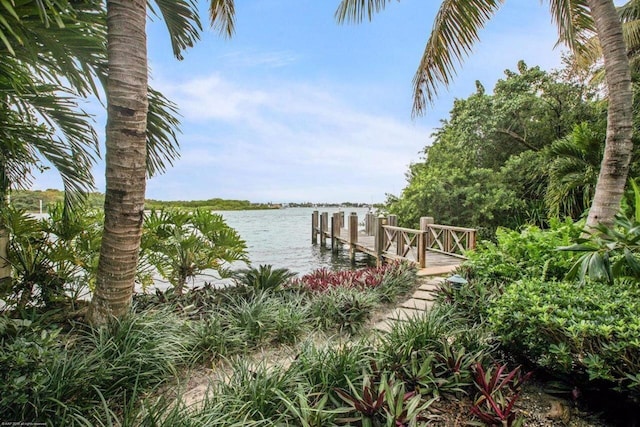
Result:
[{"x": 433, "y": 246}]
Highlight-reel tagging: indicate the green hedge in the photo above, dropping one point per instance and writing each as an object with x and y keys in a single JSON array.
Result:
[{"x": 590, "y": 330}]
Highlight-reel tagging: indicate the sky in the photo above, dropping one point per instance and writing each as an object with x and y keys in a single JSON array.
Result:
[{"x": 296, "y": 108}]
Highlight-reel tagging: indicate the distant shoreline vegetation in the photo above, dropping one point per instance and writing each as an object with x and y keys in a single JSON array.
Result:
[{"x": 29, "y": 200}]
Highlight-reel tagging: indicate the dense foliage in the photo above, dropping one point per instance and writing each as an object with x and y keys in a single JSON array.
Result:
[
  {"x": 97, "y": 376},
  {"x": 583, "y": 329},
  {"x": 589, "y": 331},
  {"x": 54, "y": 259},
  {"x": 529, "y": 151},
  {"x": 210, "y": 204}
]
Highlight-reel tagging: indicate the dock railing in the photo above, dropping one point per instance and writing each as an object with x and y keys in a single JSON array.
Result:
[{"x": 382, "y": 238}]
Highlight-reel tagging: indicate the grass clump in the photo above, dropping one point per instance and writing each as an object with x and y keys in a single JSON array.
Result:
[{"x": 91, "y": 375}]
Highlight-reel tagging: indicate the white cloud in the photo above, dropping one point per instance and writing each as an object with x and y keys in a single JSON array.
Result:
[{"x": 286, "y": 142}]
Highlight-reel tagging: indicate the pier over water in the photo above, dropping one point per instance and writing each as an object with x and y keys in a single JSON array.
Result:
[{"x": 435, "y": 247}]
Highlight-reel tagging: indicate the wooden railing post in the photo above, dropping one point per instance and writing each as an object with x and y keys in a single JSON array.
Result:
[
  {"x": 399, "y": 238},
  {"x": 471, "y": 242},
  {"x": 424, "y": 240},
  {"x": 341, "y": 223},
  {"x": 370, "y": 224},
  {"x": 353, "y": 235},
  {"x": 314, "y": 227},
  {"x": 379, "y": 239}
]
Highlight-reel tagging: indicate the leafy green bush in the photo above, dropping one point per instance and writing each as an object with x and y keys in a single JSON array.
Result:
[
  {"x": 590, "y": 330},
  {"x": 324, "y": 368},
  {"x": 531, "y": 252}
]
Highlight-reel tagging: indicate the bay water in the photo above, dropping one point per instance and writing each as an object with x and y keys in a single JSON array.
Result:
[{"x": 282, "y": 238}]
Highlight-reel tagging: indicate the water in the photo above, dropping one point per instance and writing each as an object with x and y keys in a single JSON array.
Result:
[{"x": 282, "y": 238}]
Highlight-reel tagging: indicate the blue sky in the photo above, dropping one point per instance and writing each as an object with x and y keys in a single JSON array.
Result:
[{"x": 297, "y": 108}]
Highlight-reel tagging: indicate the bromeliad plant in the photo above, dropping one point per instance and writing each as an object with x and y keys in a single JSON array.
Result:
[
  {"x": 323, "y": 280},
  {"x": 499, "y": 392}
]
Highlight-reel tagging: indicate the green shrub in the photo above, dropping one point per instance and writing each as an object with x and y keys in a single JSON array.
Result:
[
  {"x": 590, "y": 330},
  {"x": 398, "y": 280},
  {"x": 322, "y": 369},
  {"x": 265, "y": 278},
  {"x": 344, "y": 309},
  {"x": 531, "y": 252}
]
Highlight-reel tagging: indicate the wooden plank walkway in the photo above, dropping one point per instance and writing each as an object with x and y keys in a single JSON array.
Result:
[{"x": 366, "y": 244}]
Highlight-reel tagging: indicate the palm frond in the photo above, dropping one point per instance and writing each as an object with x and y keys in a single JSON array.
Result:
[
  {"x": 223, "y": 16},
  {"x": 631, "y": 34},
  {"x": 629, "y": 11},
  {"x": 62, "y": 41},
  {"x": 357, "y": 10},
  {"x": 574, "y": 22},
  {"x": 454, "y": 32},
  {"x": 182, "y": 21},
  {"x": 163, "y": 126}
]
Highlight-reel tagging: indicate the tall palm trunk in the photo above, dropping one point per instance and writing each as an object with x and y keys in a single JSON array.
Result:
[
  {"x": 5, "y": 267},
  {"x": 127, "y": 107},
  {"x": 617, "y": 154}
]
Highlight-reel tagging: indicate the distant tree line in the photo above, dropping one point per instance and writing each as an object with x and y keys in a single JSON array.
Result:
[{"x": 30, "y": 201}]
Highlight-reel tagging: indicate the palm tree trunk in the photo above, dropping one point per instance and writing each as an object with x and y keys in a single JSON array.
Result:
[
  {"x": 127, "y": 107},
  {"x": 5, "y": 267},
  {"x": 617, "y": 153}
]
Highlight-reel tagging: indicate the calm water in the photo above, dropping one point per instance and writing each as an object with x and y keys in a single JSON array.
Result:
[{"x": 282, "y": 238}]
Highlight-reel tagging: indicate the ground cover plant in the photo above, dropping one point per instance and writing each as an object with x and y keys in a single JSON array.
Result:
[{"x": 77, "y": 375}]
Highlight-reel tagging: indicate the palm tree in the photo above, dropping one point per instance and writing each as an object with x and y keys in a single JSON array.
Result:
[
  {"x": 454, "y": 32},
  {"x": 127, "y": 108},
  {"x": 574, "y": 163},
  {"x": 52, "y": 54}
]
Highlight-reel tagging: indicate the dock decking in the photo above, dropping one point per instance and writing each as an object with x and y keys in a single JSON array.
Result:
[{"x": 433, "y": 246}]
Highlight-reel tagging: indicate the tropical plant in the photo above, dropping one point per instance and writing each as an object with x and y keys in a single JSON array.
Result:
[
  {"x": 182, "y": 245},
  {"x": 265, "y": 278},
  {"x": 456, "y": 30},
  {"x": 499, "y": 391},
  {"x": 609, "y": 252},
  {"x": 588, "y": 331},
  {"x": 575, "y": 163}
]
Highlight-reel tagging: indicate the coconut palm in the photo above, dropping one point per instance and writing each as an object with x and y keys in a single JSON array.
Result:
[
  {"x": 127, "y": 108},
  {"x": 53, "y": 52},
  {"x": 454, "y": 32}
]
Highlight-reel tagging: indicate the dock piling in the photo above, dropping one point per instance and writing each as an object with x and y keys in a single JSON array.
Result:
[
  {"x": 314, "y": 227},
  {"x": 353, "y": 235}
]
